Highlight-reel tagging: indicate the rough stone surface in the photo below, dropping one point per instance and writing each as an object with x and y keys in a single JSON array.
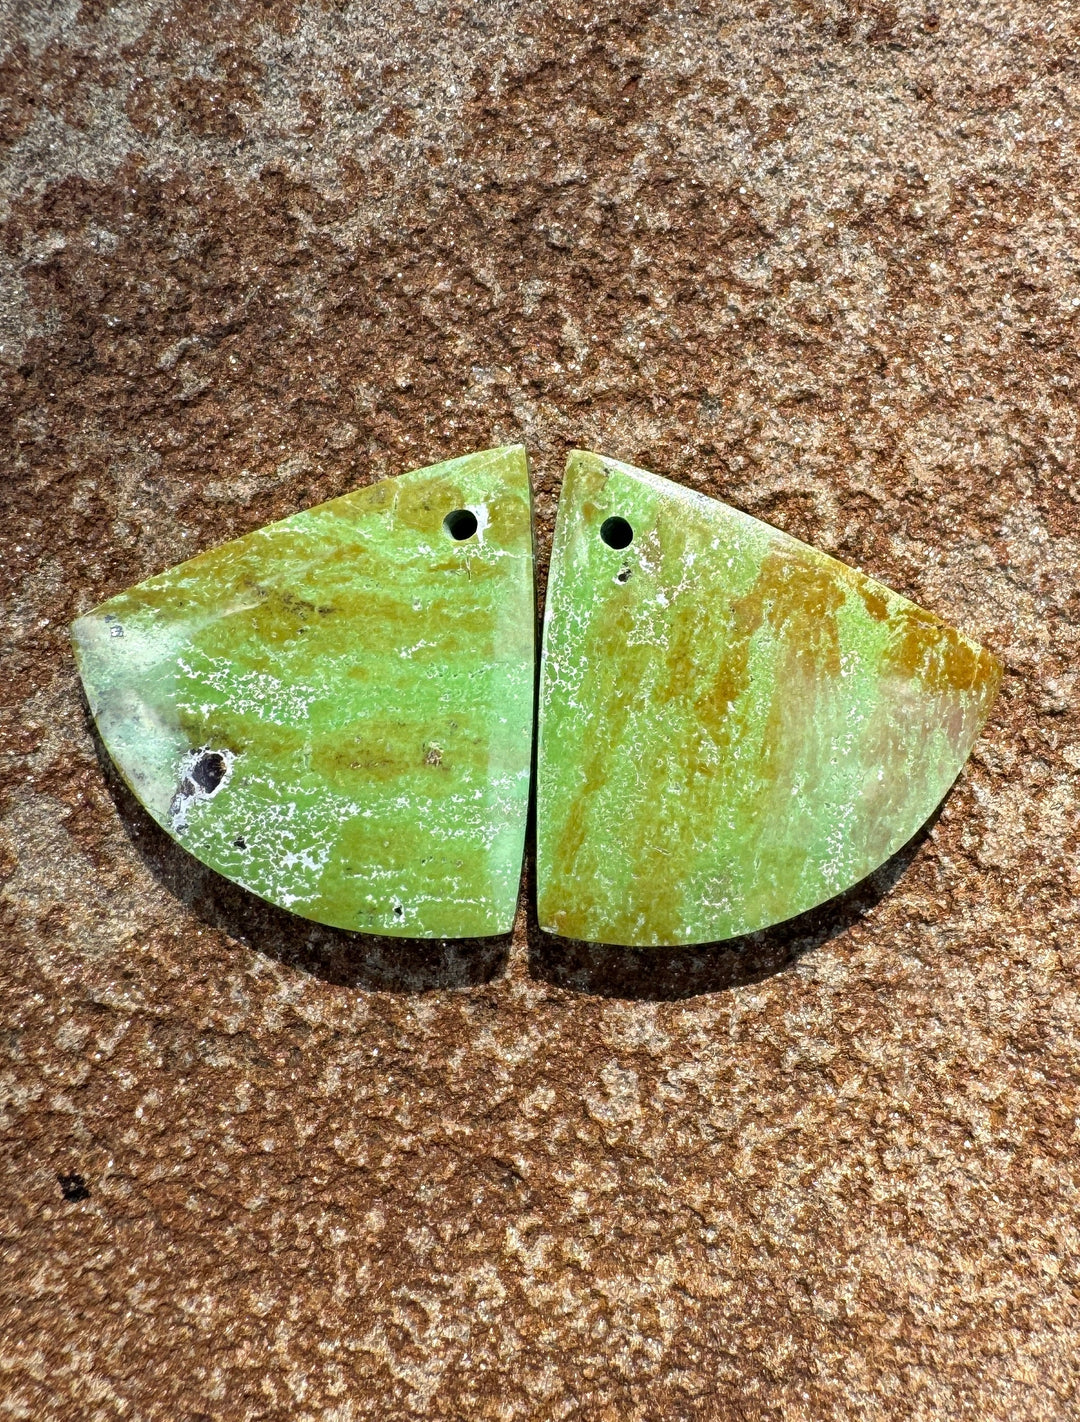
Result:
[{"x": 815, "y": 258}]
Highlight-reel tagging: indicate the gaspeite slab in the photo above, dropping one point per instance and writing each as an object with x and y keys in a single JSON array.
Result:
[
  {"x": 733, "y": 727},
  {"x": 336, "y": 710}
]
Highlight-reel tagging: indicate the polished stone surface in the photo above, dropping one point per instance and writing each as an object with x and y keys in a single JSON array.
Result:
[
  {"x": 336, "y": 710},
  {"x": 256, "y": 255},
  {"x": 733, "y": 726}
]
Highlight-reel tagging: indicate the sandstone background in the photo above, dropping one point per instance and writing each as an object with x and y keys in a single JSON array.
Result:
[{"x": 817, "y": 258}]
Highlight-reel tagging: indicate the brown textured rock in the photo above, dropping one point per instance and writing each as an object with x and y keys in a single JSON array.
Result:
[{"x": 818, "y": 260}]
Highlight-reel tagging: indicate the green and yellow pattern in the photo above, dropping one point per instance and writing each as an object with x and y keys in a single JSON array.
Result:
[
  {"x": 336, "y": 710},
  {"x": 733, "y": 727}
]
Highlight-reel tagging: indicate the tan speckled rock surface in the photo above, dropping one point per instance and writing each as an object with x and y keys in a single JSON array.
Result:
[{"x": 817, "y": 259}]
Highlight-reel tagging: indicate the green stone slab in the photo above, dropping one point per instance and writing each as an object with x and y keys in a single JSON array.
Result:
[
  {"x": 733, "y": 726},
  {"x": 336, "y": 711}
]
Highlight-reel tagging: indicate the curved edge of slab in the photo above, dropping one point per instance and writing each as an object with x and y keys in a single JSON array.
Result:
[
  {"x": 733, "y": 726},
  {"x": 336, "y": 710}
]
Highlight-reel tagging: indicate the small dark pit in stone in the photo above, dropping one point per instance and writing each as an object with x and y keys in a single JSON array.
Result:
[
  {"x": 623, "y": 575},
  {"x": 399, "y": 911},
  {"x": 616, "y": 532},
  {"x": 460, "y": 524},
  {"x": 240, "y": 842},
  {"x": 73, "y": 1187},
  {"x": 209, "y": 771}
]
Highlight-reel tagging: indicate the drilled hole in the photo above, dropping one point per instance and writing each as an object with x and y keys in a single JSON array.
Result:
[
  {"x": 460, "y": 524},
  {"x": 616, "y": 532}
]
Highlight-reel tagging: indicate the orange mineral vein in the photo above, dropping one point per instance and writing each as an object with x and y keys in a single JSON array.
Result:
[
  {"x": 336, "y": 710},
  {"x": 734, "y": 727}
]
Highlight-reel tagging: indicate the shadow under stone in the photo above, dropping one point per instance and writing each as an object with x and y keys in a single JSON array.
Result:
[
  {"x": 672, "y": 974},
  {"x": 358, "y": 960},
  {"x": 416, "y": 965}
]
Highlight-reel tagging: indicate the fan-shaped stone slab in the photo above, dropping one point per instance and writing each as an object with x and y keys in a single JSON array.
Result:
[
  {"x": 336, "y": 710},
  {"x": 733, "y": 726}
]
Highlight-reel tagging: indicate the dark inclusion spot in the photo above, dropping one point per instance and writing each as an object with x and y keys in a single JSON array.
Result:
[
  {"x": 240, "y": 842},
  {"x": 616, "y": 532},
  {"x": 460, "y": 524},
  {"x": 202, "y": 773},
  {"x": 623, "y": 575},
  {"x": 399, "y": 911},
  {"x": 73, "y": 1187},
  {"x": 209, "y": 771}
]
